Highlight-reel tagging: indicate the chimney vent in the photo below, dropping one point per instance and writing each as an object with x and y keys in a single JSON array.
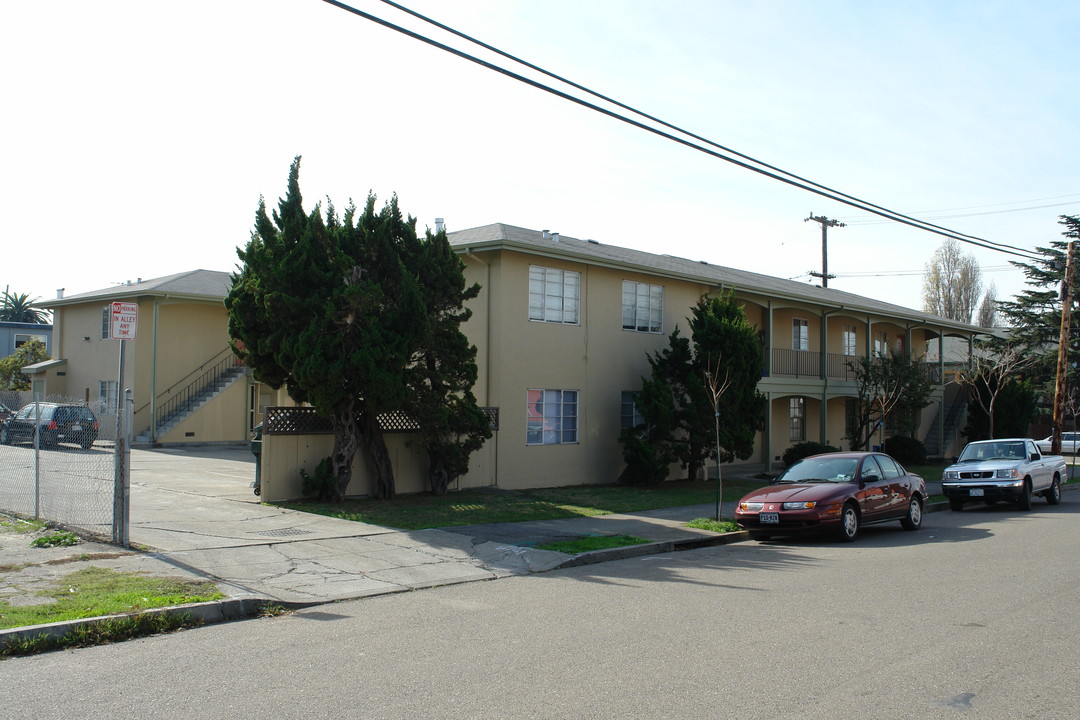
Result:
[
  {"x": 547, "y": 234},
  {"x": 440, "y": 225},
  {"x": 59, "y": 293},
  {"x": 555, "y": 236}
]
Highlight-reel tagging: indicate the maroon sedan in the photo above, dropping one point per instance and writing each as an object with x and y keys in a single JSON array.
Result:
[{"x": 837, "y": 492}]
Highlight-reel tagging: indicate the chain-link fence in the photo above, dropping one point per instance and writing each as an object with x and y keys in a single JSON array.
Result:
[{"x": 57, "y": 463}]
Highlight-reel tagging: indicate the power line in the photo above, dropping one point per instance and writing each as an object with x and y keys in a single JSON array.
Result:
[
  {"x": 962, "y": 215},
  {"x": 791, "y": 179}
]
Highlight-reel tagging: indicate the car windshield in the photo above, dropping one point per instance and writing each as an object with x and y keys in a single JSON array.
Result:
[
  {"x": 977, "y": 452},
  {"x": 823, "y": 469}
]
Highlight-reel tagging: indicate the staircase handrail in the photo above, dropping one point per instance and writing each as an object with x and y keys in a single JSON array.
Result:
[
  {"x": 216, "y": 359},
  {"x": 185, "y": 398}
]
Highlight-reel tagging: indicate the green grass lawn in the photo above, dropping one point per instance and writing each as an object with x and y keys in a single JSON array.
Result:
[
  {"x": 490, "y": 505},
  {"x": 593, "y": 542},
  {"x": 95, "y": 592}
]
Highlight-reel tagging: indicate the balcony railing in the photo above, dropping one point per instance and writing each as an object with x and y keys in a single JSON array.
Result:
[
  {"x": 795, "y": 363},
  {"x": 807, "y": 364}
]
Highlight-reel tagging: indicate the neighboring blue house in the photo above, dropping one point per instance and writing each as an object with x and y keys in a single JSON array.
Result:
[{"x": 14, "y": 334}]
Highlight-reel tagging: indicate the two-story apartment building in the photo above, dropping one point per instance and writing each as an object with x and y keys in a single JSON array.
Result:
[{"x": 564, "y": 327}]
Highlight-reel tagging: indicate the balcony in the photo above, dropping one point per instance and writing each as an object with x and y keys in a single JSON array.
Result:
[{"x": 807, "y": 364}]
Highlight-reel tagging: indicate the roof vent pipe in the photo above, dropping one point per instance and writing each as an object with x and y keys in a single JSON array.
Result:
[
  {"x": 59, "y": 293},
  {"x": 440, "y": 225},
  {"x": 547, "y": 234},
  {"x": 555, "y": 237}
]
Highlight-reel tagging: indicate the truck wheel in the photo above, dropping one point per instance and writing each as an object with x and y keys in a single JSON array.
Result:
[
  {"x": 1025, "y": 496},
  {"x": 956, "y": 504},
  {"x": 1053, "y": 495}
]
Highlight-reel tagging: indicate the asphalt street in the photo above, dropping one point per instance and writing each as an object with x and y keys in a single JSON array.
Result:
[{"x": 974, "y": 616}]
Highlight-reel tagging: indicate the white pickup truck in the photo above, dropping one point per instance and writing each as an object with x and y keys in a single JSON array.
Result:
[{"x": 1010, "y": 469}]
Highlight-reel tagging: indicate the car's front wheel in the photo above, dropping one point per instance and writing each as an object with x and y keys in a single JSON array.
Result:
[
  {"x": 849, "y": 523},
  {"x": 914, "y": 515},
  {"x": 1025, "y": 496},
  {"x": 1053, "y": 495}
]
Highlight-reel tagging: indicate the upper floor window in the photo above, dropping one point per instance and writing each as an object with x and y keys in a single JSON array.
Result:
[
  {"x": 800, "y": 334},
  {"x": 106, "y": 317},
  {"x": 553, "y": 295},
  {"x": 642, "y": 307},
  {"x": 881, "y": 342},
  {"x": 850, "y": 340},
  {"x": 551, "y": 417}
]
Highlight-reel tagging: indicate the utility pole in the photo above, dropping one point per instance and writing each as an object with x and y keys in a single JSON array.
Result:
[
  {"x": 826, "y": 223},
  {"x": 1063, "y": 350}
]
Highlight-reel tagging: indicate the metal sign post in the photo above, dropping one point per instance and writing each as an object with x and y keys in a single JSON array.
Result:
[{"x": 123, "y": 325}]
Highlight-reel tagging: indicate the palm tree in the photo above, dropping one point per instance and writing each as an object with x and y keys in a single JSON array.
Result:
[{"x": 17, "y": 308}]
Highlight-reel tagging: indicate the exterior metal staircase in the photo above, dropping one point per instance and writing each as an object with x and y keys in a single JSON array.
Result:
[
  {"x": 176, "y": 405},
  {"x": 954, "y": 415}
]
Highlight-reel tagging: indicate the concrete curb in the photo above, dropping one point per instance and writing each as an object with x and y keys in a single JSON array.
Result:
[{"x": 213, "y": 611}]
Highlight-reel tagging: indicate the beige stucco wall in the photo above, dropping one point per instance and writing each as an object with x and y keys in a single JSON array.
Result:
[
  {"x": 189, "y": 333},
  {"x": 284, "y": 455},
  {"x": 596, "y": 357},
  {"x": 223, "y": 419}
]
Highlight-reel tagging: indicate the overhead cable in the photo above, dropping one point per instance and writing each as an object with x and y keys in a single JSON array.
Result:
[{"x": 790, "y": 178}]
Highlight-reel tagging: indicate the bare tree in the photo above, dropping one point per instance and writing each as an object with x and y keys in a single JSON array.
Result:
[
  {"x": 992, "y": 371},
  {"x": 987, "y": 317},
  {"x": 717, "y": 388},
  {"x": 952, "y": 283}
]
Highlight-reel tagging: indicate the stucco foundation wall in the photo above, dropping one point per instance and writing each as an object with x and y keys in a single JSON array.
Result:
[{"x": 283, "y": 456}]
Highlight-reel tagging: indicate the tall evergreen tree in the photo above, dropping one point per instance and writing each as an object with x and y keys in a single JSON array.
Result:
[
  {"x": 1034, "y": 315},
  {"x": 328, "y": 309},
  {"x": 443, "y": 370}
]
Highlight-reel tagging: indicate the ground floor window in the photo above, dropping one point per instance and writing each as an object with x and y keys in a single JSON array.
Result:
[
  {"x": 630, "y": 417},
  {"x": 851, "y": 417},
  {"x": 107, "y": 397},
  {"x": 797, "y": 428},
  {"x": 551, "y": 417}
]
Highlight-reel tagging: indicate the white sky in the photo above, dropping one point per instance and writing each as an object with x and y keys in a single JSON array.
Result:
[{"x": 138, "y": 136}]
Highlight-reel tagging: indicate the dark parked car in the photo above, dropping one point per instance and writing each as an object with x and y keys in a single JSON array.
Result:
[
  {"x": 57, "y": 423},
  {"x": 837, "y": 492}
]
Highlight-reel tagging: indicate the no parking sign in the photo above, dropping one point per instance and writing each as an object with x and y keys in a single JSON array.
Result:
[{"x": 125, "y": 320}]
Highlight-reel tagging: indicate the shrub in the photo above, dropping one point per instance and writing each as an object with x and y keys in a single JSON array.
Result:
[
  {"x": 906, "y": 450},
  {"x": 645, "y": 463},
  {"x": 321, "y": 485},
  {"x": 798, "y": 451}
]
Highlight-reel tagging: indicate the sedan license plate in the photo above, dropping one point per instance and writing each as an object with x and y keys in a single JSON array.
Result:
[
  {"x": 769, "y": 518},
  {"x": 976, "y": 492},
  {"x": 76, "y": 428}
]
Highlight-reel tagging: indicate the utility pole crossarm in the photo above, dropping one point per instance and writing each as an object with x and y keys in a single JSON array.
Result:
[{"x": 826, "y": 223}]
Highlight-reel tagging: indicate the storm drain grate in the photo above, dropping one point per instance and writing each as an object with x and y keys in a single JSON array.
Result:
[{"x": 284, "y": 532}]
